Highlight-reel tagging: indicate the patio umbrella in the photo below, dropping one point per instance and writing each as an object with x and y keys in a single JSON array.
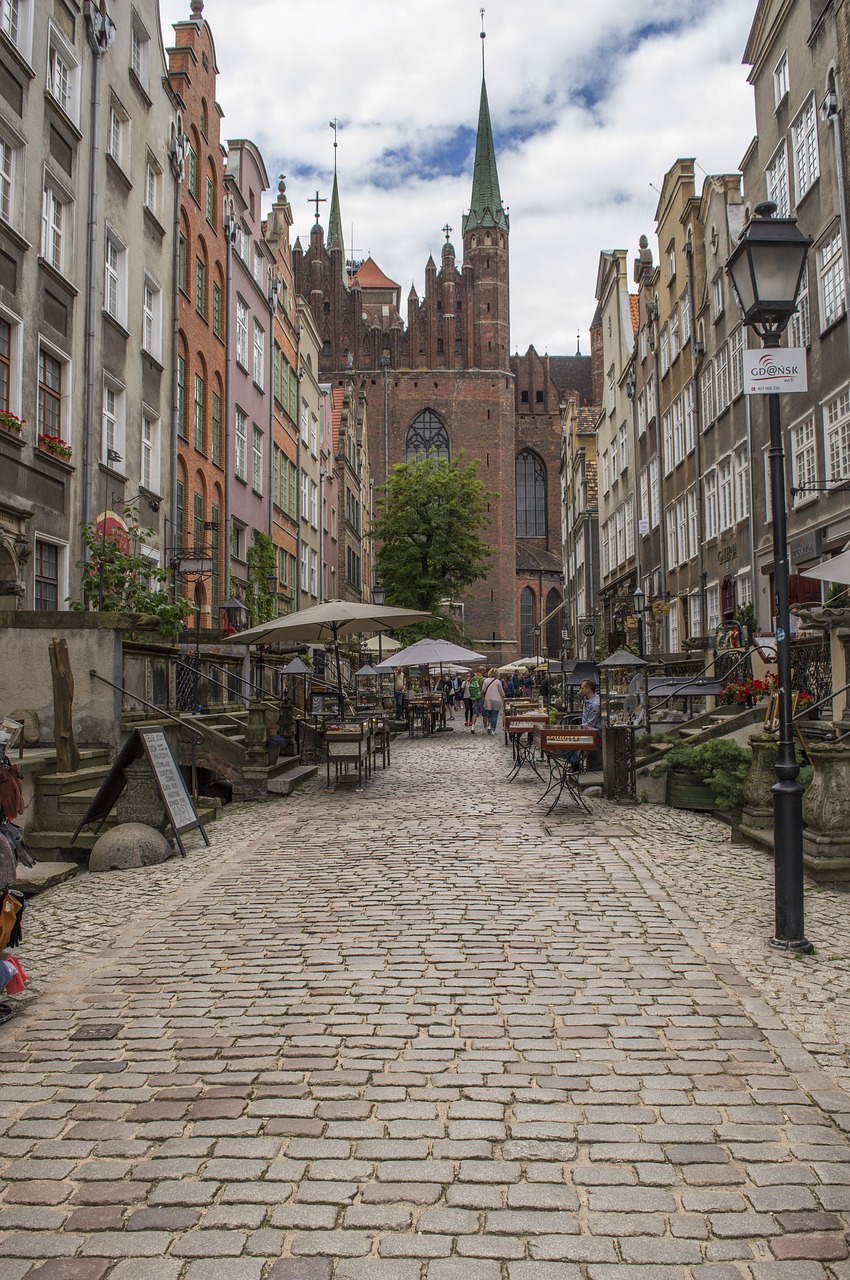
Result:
[
  {"x": 325, "y": 623},
  {"x": 835, "y": 570},
  {"x": 430, "y": 653},
  {"x": 386, "y": 645}
]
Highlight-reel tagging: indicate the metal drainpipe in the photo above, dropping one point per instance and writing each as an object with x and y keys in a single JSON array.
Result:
[
  {"x": 229, "y": 231},
  {"x": 272, "y": 309},
  {"x": 298, "y": 469},
  {"x": 99, "y": 43},
  {"x": 635, "y": 479},
  {"x": 177, "y": 170},
  {"x": 829, "y": 109},
  {"x": 751, "y": 493},
  {"x": 696, "y": 362},
  {"x": 662, "y": 547},
  {"x": 386, "y": 364}
]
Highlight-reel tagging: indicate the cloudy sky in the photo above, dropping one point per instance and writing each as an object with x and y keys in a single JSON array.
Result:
[{"x": 591, "y": 101}]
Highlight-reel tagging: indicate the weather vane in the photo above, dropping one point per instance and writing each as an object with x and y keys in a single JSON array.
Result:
[
  {"x": 483, "y": 38},
  {"x": 333, "y": 125}
]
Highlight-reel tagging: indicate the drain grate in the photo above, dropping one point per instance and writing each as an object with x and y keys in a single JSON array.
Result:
[{"x": 97, "y": 1031}]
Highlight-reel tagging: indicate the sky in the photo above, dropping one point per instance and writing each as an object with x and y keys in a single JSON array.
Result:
[{"x": 591, "y": 102}]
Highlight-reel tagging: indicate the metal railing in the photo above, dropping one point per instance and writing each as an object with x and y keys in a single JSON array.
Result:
[
  {"x": 95, "y": 675},
  {"x": 744, "y": 656}
]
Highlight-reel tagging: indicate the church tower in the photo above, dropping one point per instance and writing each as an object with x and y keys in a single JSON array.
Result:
[{"x": 485, "y": 254}]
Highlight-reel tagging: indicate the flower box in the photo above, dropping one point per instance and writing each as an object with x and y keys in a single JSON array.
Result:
[
  {"x": 11, "y": 422},
  {"x": 55, "y": 445}
]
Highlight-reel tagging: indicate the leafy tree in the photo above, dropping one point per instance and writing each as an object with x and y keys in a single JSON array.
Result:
[
  {"x": 432, "y": 513},
  {"x": 262, "y": 565},
  {"x": 118, "y": 578}
]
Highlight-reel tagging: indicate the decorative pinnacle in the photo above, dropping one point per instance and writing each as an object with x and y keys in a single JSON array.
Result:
[
  {"x": 281, "y": 186},
  {"x": 197, "y": 8}
]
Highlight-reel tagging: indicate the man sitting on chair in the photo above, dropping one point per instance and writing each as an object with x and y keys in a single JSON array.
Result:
[{"x": 591, "y": 714}]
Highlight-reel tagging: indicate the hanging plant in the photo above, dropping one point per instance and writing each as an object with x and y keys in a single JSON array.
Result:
[
  {"x": 55, "y": 445},
  {"x": 12, "y": 422}
]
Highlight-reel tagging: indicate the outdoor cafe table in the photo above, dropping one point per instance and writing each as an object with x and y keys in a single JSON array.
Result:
[
  {"x": 519, "y": 731},
  {"x": 557, "y": 745},
  {"x": 348, "y": 743},
  {"x": 426, "y": 710}
]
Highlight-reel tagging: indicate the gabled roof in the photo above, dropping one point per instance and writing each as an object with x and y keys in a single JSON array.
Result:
[
  {"x": 370, "y": 276},
  {"x": 572, "y": 373},
  {"x": 485, "y": 205}
]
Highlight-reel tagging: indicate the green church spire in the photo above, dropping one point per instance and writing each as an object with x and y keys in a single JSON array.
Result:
[{"x": 485, "y": 206}]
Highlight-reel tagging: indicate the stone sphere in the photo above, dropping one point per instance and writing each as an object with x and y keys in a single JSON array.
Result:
[{"x": 132, "y": 844}]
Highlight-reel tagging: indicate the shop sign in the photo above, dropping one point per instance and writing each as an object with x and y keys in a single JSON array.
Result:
[{"x": 779, "y": 369}]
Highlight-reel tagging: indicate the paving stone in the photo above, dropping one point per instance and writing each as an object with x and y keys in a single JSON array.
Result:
[{"x": 69, "y": 1269}]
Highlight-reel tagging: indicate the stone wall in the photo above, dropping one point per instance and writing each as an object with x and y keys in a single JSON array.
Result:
[{"x": 94, "y": 643}]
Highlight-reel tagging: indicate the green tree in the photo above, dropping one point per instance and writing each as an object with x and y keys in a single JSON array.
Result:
[
  {"x": 262, "y": 565},
  {"x": 431, "y": 516},
  {"x": 118, "y": 578}
]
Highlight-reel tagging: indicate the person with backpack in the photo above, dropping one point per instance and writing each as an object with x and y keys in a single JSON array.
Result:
[{"x": 473, "y": 701}]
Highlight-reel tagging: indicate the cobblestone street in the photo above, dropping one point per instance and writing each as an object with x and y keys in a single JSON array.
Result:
[{"x": 425, "y": 1032}]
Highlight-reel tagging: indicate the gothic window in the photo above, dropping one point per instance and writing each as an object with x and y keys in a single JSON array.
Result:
[
  {"x": 553, "y": 623},
  {"x": 530, "y": 496},
  {"x": 427, "y": 437},
  {"x": 524, "y": 397},
  {"x": 527, "y": 638},
  {"x": 538, "y": 397}
]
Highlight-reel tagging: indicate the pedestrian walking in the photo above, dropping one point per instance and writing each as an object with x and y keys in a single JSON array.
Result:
[
  {"x": 473, "y": 702},
  {"x": 398, "y": 689},
  {"x": 492, "y": 699}
]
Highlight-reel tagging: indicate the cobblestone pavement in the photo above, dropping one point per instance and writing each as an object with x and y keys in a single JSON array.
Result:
[{"x": 426, "y": 1033}]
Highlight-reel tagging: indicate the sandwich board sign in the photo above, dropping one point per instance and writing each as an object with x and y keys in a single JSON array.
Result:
[
  {"x": 779, "y": 369},
  {"x": 150, "y": 741}
]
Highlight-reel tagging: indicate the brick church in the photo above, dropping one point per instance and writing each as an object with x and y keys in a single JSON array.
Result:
[{"x": 442, "y": 378}]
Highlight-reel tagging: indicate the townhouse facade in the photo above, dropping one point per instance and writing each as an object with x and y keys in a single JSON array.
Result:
[
  {"x": 284, "y": 507},
  {"x": 649, "y": 479},
  {"x": 202, "y": 332},
  {"x": 796, "y": 53},
  {"x": 580, "y": 530},
  {"x": 311, "y": 398},
  {"x": 90, "y": 157}
]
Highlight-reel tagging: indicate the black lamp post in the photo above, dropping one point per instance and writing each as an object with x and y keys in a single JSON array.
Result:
[
  {"x": 639, "y": 602},
  {"x": 766, "y": 268},
  {"x": 379, "y": 595}
]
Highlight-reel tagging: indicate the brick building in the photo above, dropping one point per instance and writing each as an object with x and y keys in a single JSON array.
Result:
[
  {"x": 442, "y": 379},
  {"x": 202, "y": 319}
]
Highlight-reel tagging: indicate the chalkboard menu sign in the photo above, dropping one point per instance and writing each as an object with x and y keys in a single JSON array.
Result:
[{"x": 152, "y": 742}]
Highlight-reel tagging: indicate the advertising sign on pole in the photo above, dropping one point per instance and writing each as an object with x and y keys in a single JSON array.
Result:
[{"x": 778, "y": 369}]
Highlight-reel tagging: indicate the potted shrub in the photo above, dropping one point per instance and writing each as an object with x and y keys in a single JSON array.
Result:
[
  {"x": 708, "y": 775},
  {"x": 55, "y": 445},
  {"x": 11, "y": 422}
]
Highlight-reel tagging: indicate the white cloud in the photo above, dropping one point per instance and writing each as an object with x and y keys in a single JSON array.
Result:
[{"x": 609, "y": 103}]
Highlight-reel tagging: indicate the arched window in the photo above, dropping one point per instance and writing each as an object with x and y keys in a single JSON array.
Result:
[
  {"x": 527, "y": 638},
  {"x": 530, "y": 496},
  {"x": 427, "y": 438},
  {"x": 553, "y": 623}
]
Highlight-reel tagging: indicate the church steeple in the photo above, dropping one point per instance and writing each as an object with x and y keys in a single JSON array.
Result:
[
  {"x": 485, "y": 206},
  {"x": 335, "y": 215}
]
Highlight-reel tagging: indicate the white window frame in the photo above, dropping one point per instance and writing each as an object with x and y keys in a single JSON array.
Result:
[
  {"x": 693, "y": 522},
  {"x": 667, "y": 433},
  {"x": 736, "y": 362},
  {"x": 242, "y": 332},
  {"x": 654, "y": 493},
  {"x": 830, "y": 260},
  {"x": 149, "y": 451},
  {"x": 314, "y": 504},
  {"x": 707, "y": 389},
  {"x": 16, "y": 24},
  {"x": 804, "y": 459},
  {"x": 63, "y": 73},
  {"x": 56, "y": 224},
  {"x": 725, "y": 494},
  {"x": 721, "y": 380},
  {"x": 673, "y": 627},
  {"x": 780, "y": 79},
  {"x": 836, "y": 420},
  {"x": 742, "y": 483},
  {"x": 665, "y": 350},
  {"x": 240, "y": 444},
  {"x": 12, "y": 167},
  {"x": 804, "y": 142},
  {"x": 305, "y": 567},
  {"x": 800, "y": 329},
  {"x": 712, "y": 606},
  {"x": 670, "y": 531},
  {"x": 685, "y": 312},
  {"x": 644, "y": 508},
  {"x": 259, "y": 354},
  {"x": 139, "y": 52},
  {"x": 776, "y": 178},
  {"x": 115, "y": 277},
  {"x": 689, "y": 417},
  {"x": 65, "y": 396},
  {"x": 151, "y": 317},
  {"x": 118, "y": 135},
  {"x": 675, "y": 335},
  {"x": 682, "y": 528},
  {"x": 314, "y": 572},
  {"x": 15, "y": 389},
  {"x": 711, "y": 510},
  {"x": 257, "y": 459},
  {"x": 114, "y": 423}
]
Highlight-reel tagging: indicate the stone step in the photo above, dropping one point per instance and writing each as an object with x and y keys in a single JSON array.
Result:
[
  {"x": 284, "y": 784},
  {"x": 51, "y": 845},
  {"x": 66, "y": 783},
  {"x": 44, "y": 875}
]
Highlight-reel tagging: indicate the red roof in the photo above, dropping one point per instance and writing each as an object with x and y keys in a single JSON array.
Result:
[{"x": 370, "y": 276}]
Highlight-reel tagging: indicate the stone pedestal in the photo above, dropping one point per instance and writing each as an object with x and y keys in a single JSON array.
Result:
[
  {"x": 826, "y": 812},
  {"x": 140, "y": 800},
  {"x": 757, "y": 813}
]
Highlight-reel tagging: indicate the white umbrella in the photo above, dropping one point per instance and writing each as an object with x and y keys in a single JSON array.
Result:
[
  {"x": 383, "y": 644},
  {"x": 325, "y": 623},
  {"x": 835, "y": 570},
  {"x": 430, "y": 653}
]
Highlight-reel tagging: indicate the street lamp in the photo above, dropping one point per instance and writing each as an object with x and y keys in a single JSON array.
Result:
[
  {"x": 766, "y": 268},
  {"x": 639, "y": 603},
  {"x": 379, "y": 595}
]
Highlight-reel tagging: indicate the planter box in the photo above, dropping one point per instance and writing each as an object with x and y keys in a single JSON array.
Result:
[{"x": 687, "y": 791}]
